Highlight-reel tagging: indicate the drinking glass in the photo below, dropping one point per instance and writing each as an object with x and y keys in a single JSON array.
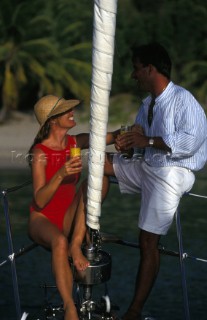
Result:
[
  {"x": 75, "y": 151},
  {"x": 127, "y": 153},
  {"x": 124, "y": 128}
]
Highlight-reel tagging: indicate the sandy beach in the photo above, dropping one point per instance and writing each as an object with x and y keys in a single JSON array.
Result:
[{"x": 17, "y": 135}]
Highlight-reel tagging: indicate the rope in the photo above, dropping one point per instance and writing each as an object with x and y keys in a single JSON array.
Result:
[
  {"x": 15, "y": 188},
  {"x": 24, "y": 316},
  {"x": 197, "y": 195}
]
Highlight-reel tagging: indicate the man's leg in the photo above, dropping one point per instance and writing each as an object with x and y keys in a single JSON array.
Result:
[{"x": 147, "y": 273}]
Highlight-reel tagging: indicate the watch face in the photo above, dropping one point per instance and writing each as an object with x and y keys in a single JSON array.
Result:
[{"x": 151, "y": 142}]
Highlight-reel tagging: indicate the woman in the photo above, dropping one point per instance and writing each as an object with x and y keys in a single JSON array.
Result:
[{"x": 57, "y": 211}]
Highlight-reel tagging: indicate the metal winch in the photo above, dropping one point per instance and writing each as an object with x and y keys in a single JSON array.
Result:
[{"x": 99, "y": 271}]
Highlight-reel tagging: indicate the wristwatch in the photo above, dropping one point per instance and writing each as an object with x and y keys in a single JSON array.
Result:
[{"x": 151, "y": 142}]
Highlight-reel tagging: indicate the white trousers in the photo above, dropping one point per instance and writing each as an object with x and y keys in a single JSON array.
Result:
[{"x": 161, "y": 189}]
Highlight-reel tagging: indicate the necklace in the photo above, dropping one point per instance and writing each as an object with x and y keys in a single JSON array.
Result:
[{"x": 164, "y": 88}]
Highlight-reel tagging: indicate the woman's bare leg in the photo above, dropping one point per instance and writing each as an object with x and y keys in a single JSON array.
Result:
[
  {"x": 46, "y": 234},
  {"x": 80, "y": 229},
  {"x": 64, "y": 277},
  {"x": 78, "y": 210}
]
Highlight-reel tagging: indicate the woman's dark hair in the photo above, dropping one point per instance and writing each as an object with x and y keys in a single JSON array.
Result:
[
  {"x": 155, "y": 54},
  {"x": 42, "y": 134}
]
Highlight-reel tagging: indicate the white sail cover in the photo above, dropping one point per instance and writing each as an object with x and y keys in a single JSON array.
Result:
[{"x": 102, "y": 69}]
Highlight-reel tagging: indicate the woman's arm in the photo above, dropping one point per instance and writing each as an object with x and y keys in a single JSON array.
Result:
[
  {"x": 82, "y": 139},
  {"x": 111, "y": 136}
]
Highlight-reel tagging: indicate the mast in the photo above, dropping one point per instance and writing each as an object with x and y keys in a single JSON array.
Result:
[{"x": 104, "y": 25}]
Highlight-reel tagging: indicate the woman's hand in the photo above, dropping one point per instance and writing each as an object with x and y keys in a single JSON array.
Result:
[
  {"x": 72, "y": 166},
  {"x": 43, "y": 190}
]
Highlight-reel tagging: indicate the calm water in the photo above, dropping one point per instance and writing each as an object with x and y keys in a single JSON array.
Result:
[{"x": 119, "y": 217}]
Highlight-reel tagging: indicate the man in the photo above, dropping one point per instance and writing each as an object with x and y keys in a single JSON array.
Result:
[{"x": 171, "y": 126}]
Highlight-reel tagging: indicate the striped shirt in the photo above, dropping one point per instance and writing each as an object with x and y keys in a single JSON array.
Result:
[{"x": 181, "y": 122}]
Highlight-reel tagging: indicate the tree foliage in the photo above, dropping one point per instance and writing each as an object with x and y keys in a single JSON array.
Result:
[
  {"x": 178, "y": 24},
  {"x": 43, "y": 50},
  {"x": 45, "y": 46}
]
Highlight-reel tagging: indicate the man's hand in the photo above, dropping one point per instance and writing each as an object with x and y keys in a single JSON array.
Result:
[{"x": 130, "y": 140}]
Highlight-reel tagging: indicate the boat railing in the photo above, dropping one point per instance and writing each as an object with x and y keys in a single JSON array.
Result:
[{"x": 105, "y": 237}]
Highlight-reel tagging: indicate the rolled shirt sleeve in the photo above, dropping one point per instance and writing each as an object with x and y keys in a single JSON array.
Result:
[{"x": 190, "y": 134}]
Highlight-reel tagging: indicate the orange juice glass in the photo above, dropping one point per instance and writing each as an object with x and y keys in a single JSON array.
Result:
[
  {"x": 75, "y": 152},
  {"x": 124, "y": 129}
]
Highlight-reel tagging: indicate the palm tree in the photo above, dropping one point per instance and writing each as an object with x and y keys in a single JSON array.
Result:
[
  {"x": 38, "y": 50},
  {"x": 72, "y": 71},
  {"x": 23, "y": 50}
]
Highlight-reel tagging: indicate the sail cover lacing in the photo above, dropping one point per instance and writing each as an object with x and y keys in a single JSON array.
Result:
[{"x": 104, "y": 25}]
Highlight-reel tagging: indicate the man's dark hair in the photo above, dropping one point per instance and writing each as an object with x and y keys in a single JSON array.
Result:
[{"x": 155, "y": 54}]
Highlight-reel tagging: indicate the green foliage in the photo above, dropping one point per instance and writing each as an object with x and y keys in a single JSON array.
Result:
[
  {"x": 123, "y": 109},
  {"x": 178, "y": 24},
  {"x": 41, "y": 52},
  {"x": 46, "y": 46}
]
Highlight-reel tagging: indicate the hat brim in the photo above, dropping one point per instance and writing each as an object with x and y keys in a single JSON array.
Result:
[{"x": 63, "y": 106}]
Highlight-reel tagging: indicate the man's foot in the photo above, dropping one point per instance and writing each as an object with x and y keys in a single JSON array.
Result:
[
  {"x": 79, "y": 260},
  {"x": 132, "y": 315}
]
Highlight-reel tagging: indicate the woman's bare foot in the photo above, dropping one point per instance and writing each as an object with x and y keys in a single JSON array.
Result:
[{"x": 79, "y": 260}]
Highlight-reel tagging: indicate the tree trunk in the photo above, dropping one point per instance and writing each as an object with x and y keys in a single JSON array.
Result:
[{"x": 4, "y": 114}]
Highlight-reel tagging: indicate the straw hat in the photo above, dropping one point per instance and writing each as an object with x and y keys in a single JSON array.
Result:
[{"x": 50, "y": 105}]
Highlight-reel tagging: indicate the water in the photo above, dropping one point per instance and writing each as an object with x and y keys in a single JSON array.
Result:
[{"x": 119, "y": 217}]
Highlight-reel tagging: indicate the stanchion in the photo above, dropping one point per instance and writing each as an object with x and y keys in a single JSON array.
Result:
[
  {"x": 11, "y": 254},
  {"x": 182, "y": 256}
]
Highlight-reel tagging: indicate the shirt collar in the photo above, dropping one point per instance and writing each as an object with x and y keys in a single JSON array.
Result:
[{"x": 162, "y": 95}]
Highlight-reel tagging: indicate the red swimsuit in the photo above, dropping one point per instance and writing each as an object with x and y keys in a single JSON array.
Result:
[{"x": 56, "y": 209}]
